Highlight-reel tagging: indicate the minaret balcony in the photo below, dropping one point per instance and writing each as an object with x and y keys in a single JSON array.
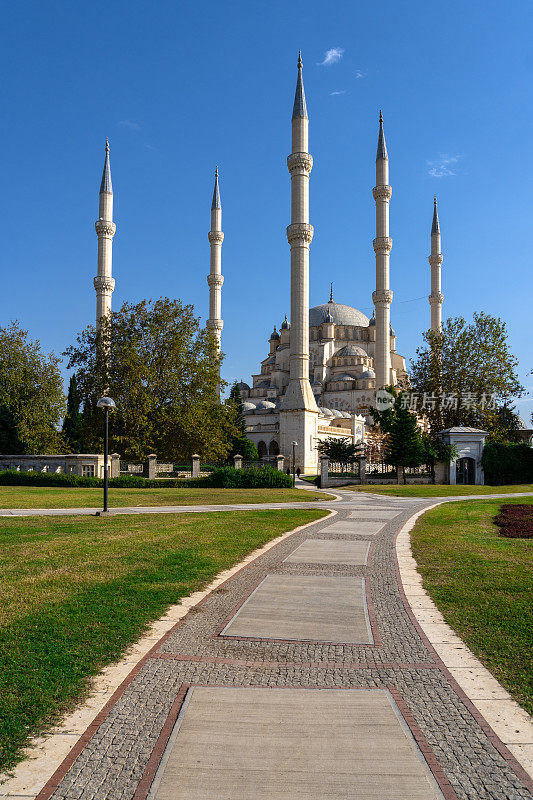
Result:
[
  {"x": 382, "y": 244},
  {"x": 215, "y": 237},
  {"x": 300, "y": 233},
  {"x": 382, "y": 192},
  {"x": 105, "y": 227},
  {"x": 300, "y": 163}
]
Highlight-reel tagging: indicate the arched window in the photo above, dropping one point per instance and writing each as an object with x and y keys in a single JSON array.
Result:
[
  {"x": 262, "y": 449},
  {"x": 273, "y": 450}
]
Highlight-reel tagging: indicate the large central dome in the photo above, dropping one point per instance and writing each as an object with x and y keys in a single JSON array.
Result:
[{"x": 340, "y": 315}]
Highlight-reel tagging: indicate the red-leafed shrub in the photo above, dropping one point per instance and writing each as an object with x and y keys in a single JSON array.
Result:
[{"x": 515, "y": 521}]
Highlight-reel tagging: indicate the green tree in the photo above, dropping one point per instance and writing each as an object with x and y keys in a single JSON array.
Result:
[
  {"x": 240, "y": 444},
  {"x": 31, "y": 395},
  {"x": 403, "y": 447},
  {"x": 340, "y": 451},
  {"x": 73, "y": 422},
  {"x": 505, "y": 425},
  {"x": 435, "y": 450},
  {"x": 461, "y": 368},
  {"x": 162, "y": 370}
]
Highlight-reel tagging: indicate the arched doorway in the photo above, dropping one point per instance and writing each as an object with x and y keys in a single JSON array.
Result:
[
  {"x": 465, "y": 471},
  {"x": 273, "y": 450},
  {"x": 262, "y": 449}
]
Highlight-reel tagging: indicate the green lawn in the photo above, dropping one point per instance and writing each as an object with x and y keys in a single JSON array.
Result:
[
  {"x": 59, "y": 497},
  {"x": 430, "y": 490},
  {"x": 483, "y": 585},
  {"x": 75, "y": 592}
]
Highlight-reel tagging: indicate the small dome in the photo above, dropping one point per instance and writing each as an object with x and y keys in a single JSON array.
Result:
[
  {"x": 337, "y": 413},
  {"x": 345, "y": 377},
  {"x": 351, "y": 350},
  {"x": 274, "y": 334},
  {"x": 248, "y": 408},
  {"x": 367, "y": 374},
  {"x": 285, "y": 324},
  {"x": 372, "y": 321},
  {"x": 327, "y": 412},
  {"x": 243, "y": 385},
  {"x": 264, "y": 405},
  {"x": 346, "y": 415}
]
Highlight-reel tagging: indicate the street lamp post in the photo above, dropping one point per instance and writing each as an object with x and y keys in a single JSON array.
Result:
[
  {"x": 108, "y": 405},
  {"x": 294, "y": 464}
]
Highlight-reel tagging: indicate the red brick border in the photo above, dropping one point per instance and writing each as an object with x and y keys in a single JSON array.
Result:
[{"x": 481, "y": 721}]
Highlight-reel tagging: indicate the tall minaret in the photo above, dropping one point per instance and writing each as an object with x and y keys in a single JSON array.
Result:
[
  {"x": 215, "y": 279},
  {"x": 299, "y": 394},
  {"x": 299, "y": 411},
  {"x": 382, "y": 297},
  {"x": 436, "y": 297},
  {"x": 104, "y": 283}
]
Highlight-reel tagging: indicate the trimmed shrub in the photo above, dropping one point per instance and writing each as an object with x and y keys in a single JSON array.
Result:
[
  {"x": 249, "y": 478},
  {"x": 507, "y": 463}
]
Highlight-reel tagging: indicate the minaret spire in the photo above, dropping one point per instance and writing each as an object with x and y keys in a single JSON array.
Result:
[
  {"x": 331, "y": 293},
  {"x": 104, "y": 282},
  {"x": 382, "y": 297},
  {"x": 300, "y": 421},
  {"x": 215, "y": 278},
  {"x": 436, "y": 297}
]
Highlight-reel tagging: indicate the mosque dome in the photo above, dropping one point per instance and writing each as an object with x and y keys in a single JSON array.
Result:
[
  {"x": 339, "y": 313},
  {"x": 274, "y": 334},
  {"x": 264, "y": 405},
  {"x": 367, "y": 374},
  {"x": 337, "y": 413},
  {"x": 327, "y": 412},
  {"x": 248, "y": 408},
  {"x": 244, "y": 386},
  {"x": 345, "y": 377},
  {"x": 285, "y": 325},
  {"x": 351, "y": 350}
]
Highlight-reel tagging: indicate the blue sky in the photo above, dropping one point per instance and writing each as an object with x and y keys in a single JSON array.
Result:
[{"x": 180, "y": 86}]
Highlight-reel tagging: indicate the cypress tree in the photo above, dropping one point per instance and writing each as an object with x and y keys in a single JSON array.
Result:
[{"x": 72, "y": 424}]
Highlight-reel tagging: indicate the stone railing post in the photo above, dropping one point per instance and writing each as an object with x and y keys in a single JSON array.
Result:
[
  {"x": 195, "y": 466},
  {"x": 362, "y": 470},
  {"x": 150, "y": 467},
  {"x": 324, "y": 472},
  {"x": 115, "y": 465},
  {"x": 237, "y": 462},
  {"x": 280, "y": 463}
]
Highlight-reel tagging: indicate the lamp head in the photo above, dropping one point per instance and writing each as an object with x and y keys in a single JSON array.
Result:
[
  {"x": 294, "y": 444},
  {"x": 106, "y": 403}
]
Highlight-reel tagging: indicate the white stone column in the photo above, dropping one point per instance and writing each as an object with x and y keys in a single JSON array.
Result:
[
  {"x": 382, "y": 297},
  {"x": 436, "y": 298},
  {"x": 104, "y": 282},
  {"x": 215, "y": 278}
]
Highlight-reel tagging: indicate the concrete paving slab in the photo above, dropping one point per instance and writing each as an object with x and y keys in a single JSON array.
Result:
[
  {"x": 305, "y": 608},
  {"x": 330, "y": 551},
  {"x": 354, "y": 528},
  {"x": 371, "y": 513},
  {"x": 254, "y": 744}
]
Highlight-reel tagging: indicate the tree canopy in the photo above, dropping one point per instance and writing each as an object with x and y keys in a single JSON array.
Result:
[
  {"x": 31, "y": 395},
  {"x": 162, "y": 370},
  {"x": 240, "y": 444},
  {"x": 465, "y": 373},
  {"x": 73, "y": 422},
  {"x": 340, "y": 451}
]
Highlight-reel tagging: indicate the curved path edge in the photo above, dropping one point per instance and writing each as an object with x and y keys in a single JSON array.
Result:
[
  {"x": 52, "y": 752},
  {"x": 508, "y": 726}
]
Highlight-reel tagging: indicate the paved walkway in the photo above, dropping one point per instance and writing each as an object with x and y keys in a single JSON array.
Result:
[{"x": 306, "y": 674}]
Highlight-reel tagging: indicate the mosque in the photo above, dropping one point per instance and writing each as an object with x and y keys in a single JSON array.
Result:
[{"x": 323, "y": 367}]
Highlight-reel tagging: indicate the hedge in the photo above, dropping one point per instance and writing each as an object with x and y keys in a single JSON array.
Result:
[
  {"x": 506, "y": 463},
  {"x": 223, "y": 477}
]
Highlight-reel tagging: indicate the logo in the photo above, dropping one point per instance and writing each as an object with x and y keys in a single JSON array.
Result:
[{"x": 384, "y": 400}]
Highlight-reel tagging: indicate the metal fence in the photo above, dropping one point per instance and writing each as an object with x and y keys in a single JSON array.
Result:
[
  {"x": 127, "y": 468},
  {"x": 349, "y": 470},
  {"x": 379, "y": 469}
]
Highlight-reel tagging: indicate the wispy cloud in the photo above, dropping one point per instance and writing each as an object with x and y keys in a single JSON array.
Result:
[
  {"x": 334, "y": 94},
  {"x": 359, "y": 74},
  {"x": 333, "y": 55},
  {"x": 130, "y": 124},
  {"x": 443, "y": 166}
]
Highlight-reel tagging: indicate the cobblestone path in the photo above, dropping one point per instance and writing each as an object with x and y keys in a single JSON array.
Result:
[{"x": 120, "y": 754}]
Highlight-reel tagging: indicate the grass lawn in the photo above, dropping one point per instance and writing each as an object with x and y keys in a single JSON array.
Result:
[
  {"x": 63, "y": 497},
  {"x": 483, "y": 585},
  {"x": 76, "y": 591},
  {"x": 429, "y": 490}
]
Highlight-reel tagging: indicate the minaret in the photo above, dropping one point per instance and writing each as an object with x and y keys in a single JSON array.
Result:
[
  {"x": 435, "y": 259},
  {"x": 299, "y": 400},
  {"x": 299, "y": 395},
  {"x": 215, "y": 279},
  {"x": 382, "y": 297},
  {"x": 104, "y": 283}
]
